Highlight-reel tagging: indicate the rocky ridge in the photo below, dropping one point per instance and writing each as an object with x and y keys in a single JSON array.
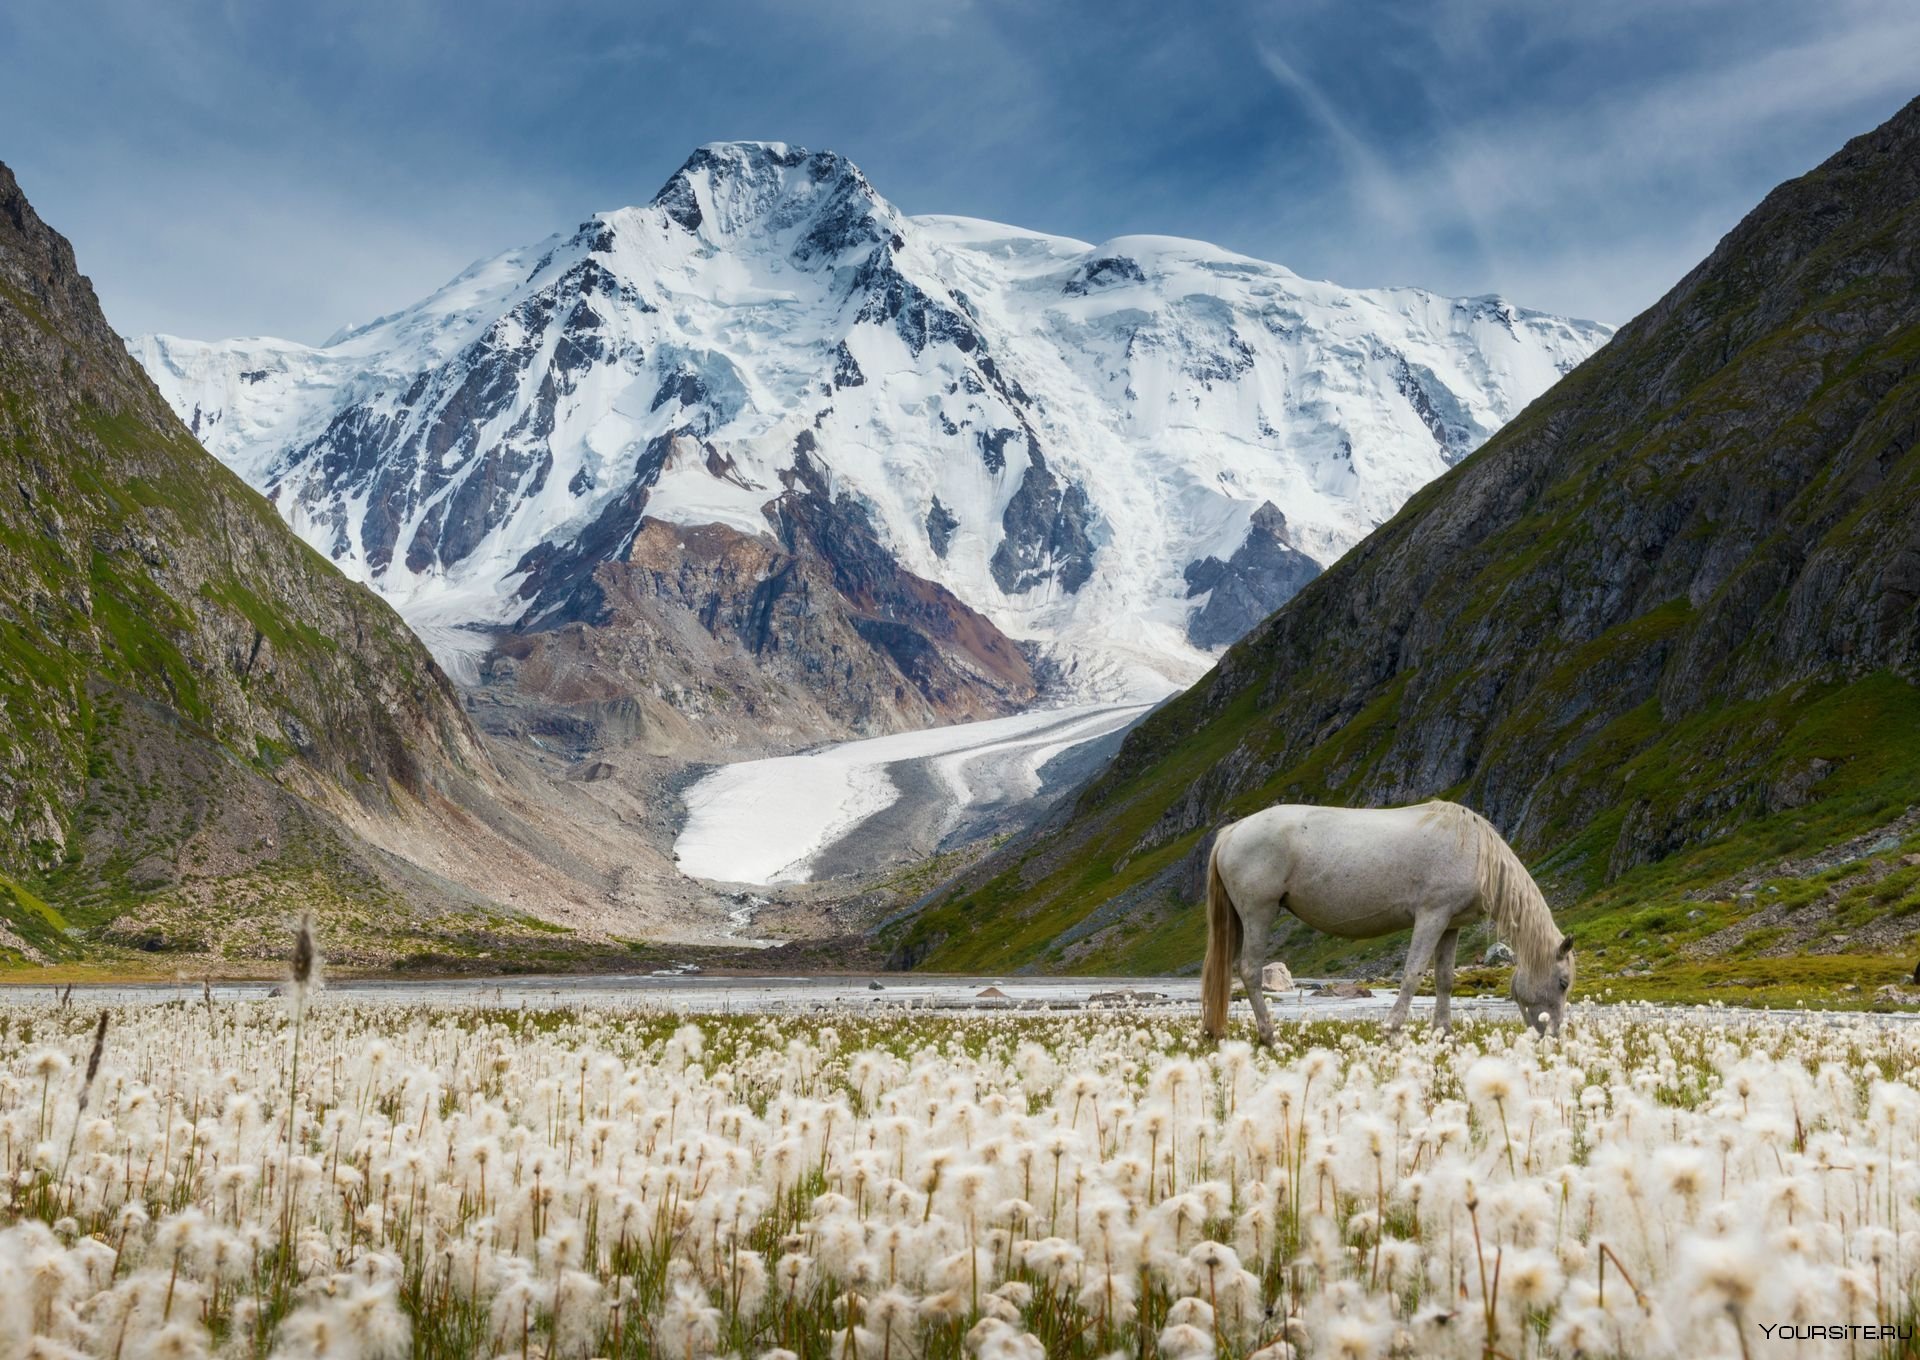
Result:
[{"x": 1048, "y": 432}]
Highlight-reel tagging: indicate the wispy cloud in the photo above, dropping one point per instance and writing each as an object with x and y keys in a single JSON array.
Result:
[
  {"x": 228, "y": 168},
  {"x": 1591, "y": 194},
  {"x": 1380, "y": 192}
]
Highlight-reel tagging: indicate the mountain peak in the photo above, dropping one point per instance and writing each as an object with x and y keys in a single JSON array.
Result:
[
  {"x": 726, "y": 190},
  {"x": 1003, "y": 405}
]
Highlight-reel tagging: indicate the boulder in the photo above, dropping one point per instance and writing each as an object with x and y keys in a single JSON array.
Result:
[
  {"x": 1497, "y": 952},
  {"x": 1347, "y": 990},
  {"x": 1276, "y": 977}
]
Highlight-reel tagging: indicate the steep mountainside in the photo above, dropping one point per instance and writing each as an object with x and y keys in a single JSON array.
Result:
[
  {"x": 1662, "y": 629},
  {"x": 942, "y": 436},
  {"x": 207, "y": 727}
]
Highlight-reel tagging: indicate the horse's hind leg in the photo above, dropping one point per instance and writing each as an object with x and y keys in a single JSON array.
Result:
[
  {"x": 1428, "y": 927},
  {"x": 1253, "y": 958},
  {"x": 1443, "y": 979}
]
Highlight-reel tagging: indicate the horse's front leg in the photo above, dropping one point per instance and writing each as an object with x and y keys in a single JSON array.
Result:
[
  {"x": 1253, "y": 959},
  {"x": 1443, "y": 979},
  {"x": 1428, "y": 926}
]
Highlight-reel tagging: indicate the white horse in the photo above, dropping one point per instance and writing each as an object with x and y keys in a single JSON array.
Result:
[{"x": 1362, "y": 872}]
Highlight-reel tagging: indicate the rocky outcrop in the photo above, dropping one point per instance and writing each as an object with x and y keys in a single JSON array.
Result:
[
  {"x": 941, "y": 522},
  {"x": 808, "y": 630},
  {"x": 1048, "y": 534},
  {"x": 1265, "y": 571},
  {"x": 1676, "y": 594}
]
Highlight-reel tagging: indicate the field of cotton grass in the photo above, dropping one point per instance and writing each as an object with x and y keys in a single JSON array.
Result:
[{"x": 622, "y": 1182}]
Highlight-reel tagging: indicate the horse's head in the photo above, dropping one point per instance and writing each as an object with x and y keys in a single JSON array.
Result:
[{"x": 1542, "y": 992}]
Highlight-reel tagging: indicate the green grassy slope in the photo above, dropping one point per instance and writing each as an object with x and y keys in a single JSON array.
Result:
[
  {"x": 179, "y": 674},
  {"x": 1664, "y": 629}
]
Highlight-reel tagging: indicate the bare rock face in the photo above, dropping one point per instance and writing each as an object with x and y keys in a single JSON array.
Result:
[
  {"x": 1679, "y": 592},
  {"x": 1048, "y": 533},
  {"x": 731, "y": 640},
  {"x": 1265, "y": 571}
]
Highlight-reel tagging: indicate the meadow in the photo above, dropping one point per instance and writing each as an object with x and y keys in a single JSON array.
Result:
[{"x": 316, "y": 1177}]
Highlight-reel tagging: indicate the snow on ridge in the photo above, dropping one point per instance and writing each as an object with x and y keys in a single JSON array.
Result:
[{"x": 767, "y": 294}]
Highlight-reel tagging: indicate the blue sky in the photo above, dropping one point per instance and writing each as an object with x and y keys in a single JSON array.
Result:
[{"x": 244, "y": 168}]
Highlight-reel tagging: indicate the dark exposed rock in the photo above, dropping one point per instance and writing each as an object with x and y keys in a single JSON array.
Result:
[
  {"x": 1452, "y": 426},
  {"x": 684, "y": 387},
  {"x": 993, "y": 446},
  {"x": 941, "y": 522},
  {"x": 919, "y": 318},
  {"x": 919, "y": 625},
  {"x": 560, "y": 579},
  {"x": 1048, "y": 533},
  {"x": 1104, "y": 273},
  {"x": 680, "y": 202},
  {"x": 846, "y": 369},
  {"x": 1265, "y": 571}
]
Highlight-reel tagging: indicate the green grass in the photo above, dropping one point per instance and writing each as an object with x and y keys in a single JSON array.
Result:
[
  {"x": 133, "y": 571},
  {"x": 1649, "y": 915},
  {"x": 1813, "y": 979}
]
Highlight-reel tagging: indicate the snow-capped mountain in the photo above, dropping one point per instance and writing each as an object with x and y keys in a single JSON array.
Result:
[{"x": 1121, "y": 454}]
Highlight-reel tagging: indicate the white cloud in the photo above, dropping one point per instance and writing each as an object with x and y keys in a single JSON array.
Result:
[{"x": 1595, "y": 204}]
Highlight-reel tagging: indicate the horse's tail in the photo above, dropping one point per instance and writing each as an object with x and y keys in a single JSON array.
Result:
[{"x": 1223, "y": 943}]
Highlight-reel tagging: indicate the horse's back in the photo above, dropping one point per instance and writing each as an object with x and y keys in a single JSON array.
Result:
[
  {"x": 1436, "y": 820},
  {"x": 1353, "y": 871}
]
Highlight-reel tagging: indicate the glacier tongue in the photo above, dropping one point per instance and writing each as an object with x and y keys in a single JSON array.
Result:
[{"x": 1054, "y": 431}]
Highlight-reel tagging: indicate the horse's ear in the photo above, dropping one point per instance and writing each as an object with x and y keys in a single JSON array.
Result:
[{"x": 1566, "y": 947}]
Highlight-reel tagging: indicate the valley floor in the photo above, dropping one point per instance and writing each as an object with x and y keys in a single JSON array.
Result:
[{"x": 688, "y": 989}]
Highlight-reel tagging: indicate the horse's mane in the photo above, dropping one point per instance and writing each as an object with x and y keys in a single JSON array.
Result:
[{"x": 1513, "y": 901}]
